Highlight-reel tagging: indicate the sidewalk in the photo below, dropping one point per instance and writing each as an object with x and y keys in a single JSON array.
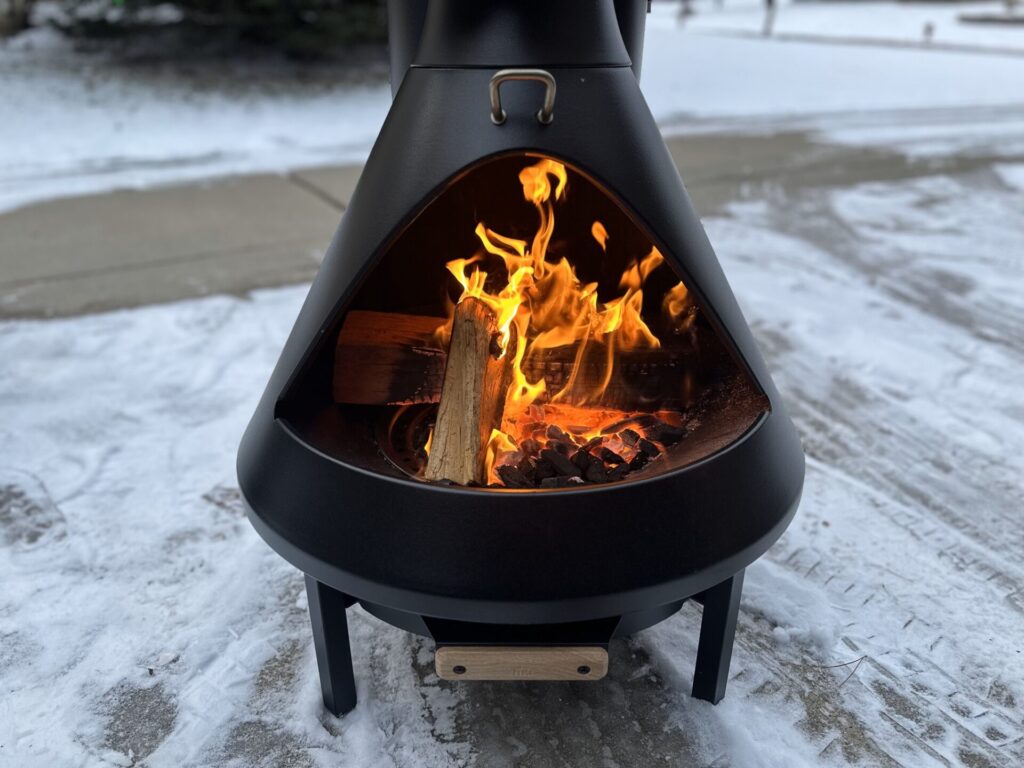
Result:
[
  {"x": 127, "y": 248},
  {"x": 135, "y": 247}
]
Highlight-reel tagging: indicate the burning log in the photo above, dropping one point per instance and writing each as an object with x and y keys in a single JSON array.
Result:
[
  {"x": 388, "y": 358},
  {"x": 476, "y": 379}
]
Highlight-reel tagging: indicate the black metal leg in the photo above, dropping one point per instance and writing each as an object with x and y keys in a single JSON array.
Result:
[
  {"x": 717, "y": 630},
  {"x": 330, "y": 638}
]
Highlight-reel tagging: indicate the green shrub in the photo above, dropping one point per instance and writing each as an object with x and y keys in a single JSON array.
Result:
[
  {"x": 14, "y": 16},
  {"x": 298, "y": 27}
]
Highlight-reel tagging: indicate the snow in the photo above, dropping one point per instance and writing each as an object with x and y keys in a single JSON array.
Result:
[
  {"x": 798, "y": 614},
  {"x": 922, "y": 102},
  {"x": 1012, "y": 174},
  {"x": 876, "y": 22},
  {"x": 690, "y": 74},
  {"x": 143, "y": 619},
  {"x": 76, "y": 124}
]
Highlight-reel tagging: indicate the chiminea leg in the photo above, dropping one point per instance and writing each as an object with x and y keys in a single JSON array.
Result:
[
  {"x": 717, "y": 630},
  {"x": 330, "y": 638}
]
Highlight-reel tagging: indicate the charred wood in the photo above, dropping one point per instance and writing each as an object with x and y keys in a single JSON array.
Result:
[{"x": 386, "y": 358}]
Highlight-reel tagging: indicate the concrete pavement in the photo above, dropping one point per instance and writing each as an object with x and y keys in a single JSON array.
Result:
[{"x": 134, "y": 247}]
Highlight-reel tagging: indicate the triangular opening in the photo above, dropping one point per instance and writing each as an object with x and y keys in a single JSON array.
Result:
[{"x": 523, "y": 331}]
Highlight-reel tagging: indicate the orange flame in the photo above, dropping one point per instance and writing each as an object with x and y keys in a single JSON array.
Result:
[
  {"x": 550, "y": 306},
  {"x": 677, "y": 305}
]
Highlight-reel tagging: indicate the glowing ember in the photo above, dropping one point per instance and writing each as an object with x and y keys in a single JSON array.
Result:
[
  {"x": 565, "y": 433},
  {"x": 554, "y": 445}
]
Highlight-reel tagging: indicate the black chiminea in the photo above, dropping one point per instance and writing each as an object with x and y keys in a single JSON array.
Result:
[{"x": 520, "y": 411}]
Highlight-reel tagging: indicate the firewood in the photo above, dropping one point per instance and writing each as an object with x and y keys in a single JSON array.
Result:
[
  {"x": 385, "y": 357},
  {"x": 388, "y": 358},
  {"x": 476, "y": 380}
]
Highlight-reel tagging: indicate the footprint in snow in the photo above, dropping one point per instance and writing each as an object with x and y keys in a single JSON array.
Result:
[{"x": 28, "y": 516}]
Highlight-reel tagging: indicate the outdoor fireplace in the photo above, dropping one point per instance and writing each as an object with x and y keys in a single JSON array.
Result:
[{"x": 520, "y": 411}]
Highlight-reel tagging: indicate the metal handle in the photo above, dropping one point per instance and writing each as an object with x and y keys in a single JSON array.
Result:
[{"x": 547, "y": 111}]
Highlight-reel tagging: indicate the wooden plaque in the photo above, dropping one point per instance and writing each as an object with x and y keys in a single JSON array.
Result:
[{"x": 480, "y": 662}]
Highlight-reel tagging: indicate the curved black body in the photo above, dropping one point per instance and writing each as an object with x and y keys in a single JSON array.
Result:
[
  {"x": 405, "y": 25},
  {"x": 545, "y": 557},
  {"x": 632, "y": 17}
]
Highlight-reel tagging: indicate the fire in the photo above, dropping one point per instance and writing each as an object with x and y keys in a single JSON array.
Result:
[
  {"x": 677, "y": 305},
  {"x": 551, "y": 307}
]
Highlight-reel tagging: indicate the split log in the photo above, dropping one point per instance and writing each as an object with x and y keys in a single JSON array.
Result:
[
  {"x": 476, "y": 381},
  {"x": 384, "y": 358},
  {"x": 387, "y": 358}
]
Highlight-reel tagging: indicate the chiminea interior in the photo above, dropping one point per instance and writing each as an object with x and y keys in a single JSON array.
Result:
[{"x": 522, "y": 331}]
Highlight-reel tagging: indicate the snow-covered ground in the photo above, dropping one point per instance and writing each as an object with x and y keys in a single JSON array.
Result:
[
  {"x": 142, "y": 619},
  {"x": 74, "y": 124},
  {"x": 881, "y": 22},
  {"x": 925, "y": 102}
]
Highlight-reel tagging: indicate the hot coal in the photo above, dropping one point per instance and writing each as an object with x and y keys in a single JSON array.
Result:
[
  {"x": 583, "y": 459},
  {"x": 563, "y": 464},
  {"x": 643, "y": 420},
  {"x": 666, "y": 434},
  {"x": 608, "y": 456},
  {"x": 554, "y": 433},
  {"x": 530, "y": 447},
  {"x": 564, "y": 447},
  {"x": 560, "y": 458},
  {"x": 543, "y": 469},
  {"x": 618, "y": 473},
  {"x": 646, "y": 446},
  {"x": 513, "y": 477},
  {"x": 514, "y": 458}
]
